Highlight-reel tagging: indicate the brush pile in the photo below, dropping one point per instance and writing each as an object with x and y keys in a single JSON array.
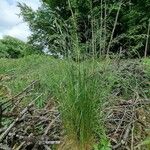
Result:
[
  {"x": 127, "y": 124},
  {"x": 28, "y": 127}
]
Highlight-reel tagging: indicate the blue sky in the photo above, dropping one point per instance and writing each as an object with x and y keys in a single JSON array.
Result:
[{"x": 10, "y": 23}]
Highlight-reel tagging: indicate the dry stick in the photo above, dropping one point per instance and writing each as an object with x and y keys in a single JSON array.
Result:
[
  {"x": 123, "y": 141},
  {"x": 105, "y": 26},
  {"x": 121, "y": 121},
  {"x": 47, "y": 147},
  {"x": 129, "y": 128},
  {"x": 132, "y": 138},
  {"x": 20, "y": 137},
  {"x": 132, "y": 127},
  {"x": 101, "y": 26},
  {"x": 17, "y": 119},
  {"x": 19, "y": 100},
  {"x": 147, "y": 40},
  {"x": 14, "y": 123},
  {"x": 4, "y": 147},
  {"x": 24, "y": 90},
  {"x": 1, "y": 111},
  {"x": 76, "y": 40},
  {"x": 92, "y": 27},
  {"x": 46, "y": 132},
  {"x": 112, "y": 34},
  {"x": 49, "y": 126},
  {"x": 128, "y": 105},
  {"x": 2, "y": 129},
  {"x": 16, "y": 104},
  {"x": 51, "y": 142},
  {"x": 125, "y": 136},
  {"x": 22, "y": 144},
  {"x": 35, "y": 139},
  {"x": 46, "y": 142}
]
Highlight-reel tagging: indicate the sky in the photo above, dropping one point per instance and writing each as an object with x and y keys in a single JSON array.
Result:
[{"x": 10, "y": 23}]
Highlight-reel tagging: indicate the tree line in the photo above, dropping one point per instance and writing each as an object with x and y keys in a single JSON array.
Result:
[
  {"x": 116, "y": 26},
  {"x": 11, "y": 47},
  {"x": 102, "y": 27}
]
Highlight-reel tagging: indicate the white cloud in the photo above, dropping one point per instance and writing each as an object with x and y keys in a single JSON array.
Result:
[
  {"x": 10, "y": 23},
  {"x": 8, "y": 14},
  {"x": 33, "y": 3},
  {"x": 20, "y": 31}
]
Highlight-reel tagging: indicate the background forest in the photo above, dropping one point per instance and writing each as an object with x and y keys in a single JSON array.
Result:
[
  {"x": 114, "y": 27},
  {"x": 117, "y": 26}
]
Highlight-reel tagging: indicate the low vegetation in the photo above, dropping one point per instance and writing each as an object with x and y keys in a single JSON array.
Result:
[
  {"x": 11, "y": 47},
  {"x": 82, "y": 91}
]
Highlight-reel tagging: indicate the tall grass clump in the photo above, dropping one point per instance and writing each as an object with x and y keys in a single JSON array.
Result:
[
  {"x": 81, "y": 95},
  {"x": 77, "y": 101},
  {"x": 77, "y": 98},
  {"x": 82, "y": 89}
]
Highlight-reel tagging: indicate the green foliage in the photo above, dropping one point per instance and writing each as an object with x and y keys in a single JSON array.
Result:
[
  {"x": 103, "y": 145},
  {"x": 11, "y": 47},
  {"x": 77, "y": 105},
  {"x": 144, "y": 144},
  {"x": 135, "y": 25},
  {"x": 48, "y": 29},
  {"x": 52, "y": 26},
  {"x": 82, "y": 90}
]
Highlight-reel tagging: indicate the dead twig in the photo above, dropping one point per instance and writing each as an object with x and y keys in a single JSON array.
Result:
[{"x": 2, "y": 136}]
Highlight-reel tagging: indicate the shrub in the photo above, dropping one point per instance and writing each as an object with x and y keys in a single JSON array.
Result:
[{"x": 11, "y": 47}]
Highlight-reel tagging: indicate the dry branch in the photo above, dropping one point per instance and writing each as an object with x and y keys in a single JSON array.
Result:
[
  {"x": 4, "y": 147},
  {"x": 31, "y": 126},
  {"x": 122, "y": 118},
  {"x": 17, "y": 119}
]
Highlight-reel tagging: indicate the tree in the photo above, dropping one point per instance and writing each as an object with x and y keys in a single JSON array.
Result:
[
  {"x": 11, "y": 47},
  {"x": 134, "y": 25},
  {"x": 100, "y": 27}
]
